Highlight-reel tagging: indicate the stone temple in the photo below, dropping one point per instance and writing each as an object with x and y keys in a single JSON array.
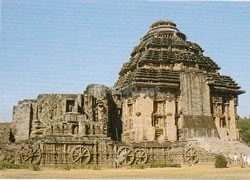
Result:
[{"x": 169, "y": 100}]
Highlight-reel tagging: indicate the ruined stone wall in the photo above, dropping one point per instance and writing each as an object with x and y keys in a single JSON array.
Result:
[
  {"x": 197, "y": 120},
  {"x": 5, "y": 133},
  {"x": 99, "y": 108},
  {"x": 22, "y": 119},
  {"x": 49, "y": 112},
  {"x": 63, "y": 114},
  {"x": 34, "y": 118}
]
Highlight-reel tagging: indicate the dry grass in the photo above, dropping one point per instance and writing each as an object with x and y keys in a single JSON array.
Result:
[{"x": 205, "y": 172}]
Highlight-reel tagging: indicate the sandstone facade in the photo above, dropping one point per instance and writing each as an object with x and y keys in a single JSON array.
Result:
[
  {"x": 63, "y": 114},
  {"x": 6, "y": 133},
  {"x": 171, "y": 91},
  {"x": 167, "y": 94}
]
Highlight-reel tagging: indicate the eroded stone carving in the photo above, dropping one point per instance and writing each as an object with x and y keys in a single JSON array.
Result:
[
  {"x": 167, "y": 94},
  {"x": 81, "y": 155}
]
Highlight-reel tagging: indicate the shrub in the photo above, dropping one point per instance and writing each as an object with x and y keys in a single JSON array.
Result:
[
  {"x": 220, "y": 161},
  {"x": 35, "y": 167}
]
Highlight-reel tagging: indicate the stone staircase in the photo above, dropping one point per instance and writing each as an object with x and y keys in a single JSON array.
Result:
[{"x": 218, "y": 146}]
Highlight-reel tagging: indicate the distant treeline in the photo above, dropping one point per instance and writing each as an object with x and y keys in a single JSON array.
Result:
[{"x": 244, "y": 126}]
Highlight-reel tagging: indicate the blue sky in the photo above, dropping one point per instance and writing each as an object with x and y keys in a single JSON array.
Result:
[{"x": 61, "y": 46}]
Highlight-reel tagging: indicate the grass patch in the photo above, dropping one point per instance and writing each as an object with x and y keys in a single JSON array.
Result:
[
  {"x": 6, "y": 165},
  {"x": 90, "y": 166},
  {"x": 139, "y": 166},
  {"x": 35, "y": 167},
  {"x": 66, "y": 167},
  {"x": 164, "y": 164},
  {"x": 155, "y": 165}
]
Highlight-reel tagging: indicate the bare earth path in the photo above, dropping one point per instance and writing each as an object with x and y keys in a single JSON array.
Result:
[{"x": 163, "y": 173}]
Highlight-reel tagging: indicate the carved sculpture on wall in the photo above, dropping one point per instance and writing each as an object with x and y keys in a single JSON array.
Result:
[{"x": 140, "y": 119}]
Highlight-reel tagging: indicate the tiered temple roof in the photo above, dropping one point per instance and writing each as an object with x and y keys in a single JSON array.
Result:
[{"x": 162, "y": 54}]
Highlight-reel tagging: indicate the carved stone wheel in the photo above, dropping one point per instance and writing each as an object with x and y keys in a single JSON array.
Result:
[
  {"x": 2, "y": 157},
  {"x": 191, "y": 156},
  {"x": 141, "y": 156},
  {"x": 31, "y": 155},
  {"x": 7, "y": 156},
  {"x": 81, "y": 155},
  {"x": 128, "y": 155}
]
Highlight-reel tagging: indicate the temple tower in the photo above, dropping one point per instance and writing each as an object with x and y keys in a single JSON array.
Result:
[{"x": 170, "y": 91}]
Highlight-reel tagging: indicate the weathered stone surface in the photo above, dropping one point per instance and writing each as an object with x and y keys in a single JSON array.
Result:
[
  {"x": 6, "y": 133},
  {"x": 166, "y": 94},
  {"x": 186, "y": 88},
  {"x": 63, "y": 114}
]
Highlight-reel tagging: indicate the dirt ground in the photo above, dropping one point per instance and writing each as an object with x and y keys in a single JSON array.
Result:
[{"x": 196, "y": 172}]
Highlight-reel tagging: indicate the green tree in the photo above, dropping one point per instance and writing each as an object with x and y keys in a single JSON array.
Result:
[{"x": 244, "y": 126}]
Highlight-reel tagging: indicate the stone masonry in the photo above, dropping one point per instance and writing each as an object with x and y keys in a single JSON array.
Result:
[{"x": 167, "y": 94}]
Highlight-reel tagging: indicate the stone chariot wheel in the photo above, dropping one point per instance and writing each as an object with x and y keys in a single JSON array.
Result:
[
  {"x": 2, "y": 157},
  {"x": 31, "y": 155},
  {"x": 191, "y": 156},
  {"x": 7, "y": 156},
  {"x": 81, "y": 155},
  {"x": 141, "y": 156},
  {"x": 126, "y": 156}
]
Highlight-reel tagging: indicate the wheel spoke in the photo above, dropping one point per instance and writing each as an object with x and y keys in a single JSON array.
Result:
[
  {"x": 81, "y": 155},
  {"x": 191, "y": 155},
  {"x": 141, "y": 156}
]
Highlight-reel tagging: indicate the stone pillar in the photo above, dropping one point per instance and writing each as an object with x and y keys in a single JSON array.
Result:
[
  {"x": 217, "y": 114},
  {"x": 171, "y": 129},
  {"x": 233, "y": 132},
  {"x": 137, "y": 126},
  {"x": 125, "y": 121},
  {"x": 142, "y": 121},
  {"x": 22, "y": 120},
  {"x": 82, "y": 128}
]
